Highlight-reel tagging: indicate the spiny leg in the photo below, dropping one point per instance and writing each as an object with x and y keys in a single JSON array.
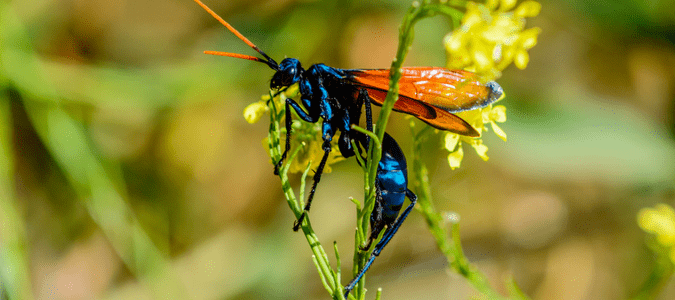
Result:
[
  {"x": 383, "y": 242},
  {"x": 365, "y": 99},
  {"x": 277, "y": 166},
  {"x": 317, "y": 178},
  {"x": 304, "y": 116},
  {"x": 390, "y": 232},
  {"x": 363, "y": 93}
]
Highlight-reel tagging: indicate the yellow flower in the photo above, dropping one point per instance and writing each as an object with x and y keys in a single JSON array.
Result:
[
  {"x": 478, "y": 118},
  {"x": 660, "y": 221},
  {"x": 455, "y": 157},
  {"x": 254, "y": 111},
  {"x": 308, "y": 136},
  {"x": 491, "y": 37}
]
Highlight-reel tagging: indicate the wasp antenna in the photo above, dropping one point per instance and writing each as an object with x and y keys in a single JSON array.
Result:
[
  {"x": 243, "y": 56},
  {"x": 270, "y": 62}
]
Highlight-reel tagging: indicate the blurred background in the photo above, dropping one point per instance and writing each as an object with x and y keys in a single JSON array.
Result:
[{"x": 129, "y": 172}]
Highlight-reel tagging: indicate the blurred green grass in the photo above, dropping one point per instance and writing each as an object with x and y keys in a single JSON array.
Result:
[{"x": 128, "y": 170}]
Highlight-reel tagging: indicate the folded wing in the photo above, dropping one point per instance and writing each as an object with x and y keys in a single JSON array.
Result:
[{"x": 432, "y": 94}]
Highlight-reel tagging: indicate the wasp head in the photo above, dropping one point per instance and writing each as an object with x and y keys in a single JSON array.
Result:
[{"x": 289, "y": 72}]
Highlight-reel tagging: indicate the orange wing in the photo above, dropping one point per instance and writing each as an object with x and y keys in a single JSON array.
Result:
[
  {"x": 431, "y": 115},
  {"x": 451, "y": 90},
  {"x": 432, "y": 94}
]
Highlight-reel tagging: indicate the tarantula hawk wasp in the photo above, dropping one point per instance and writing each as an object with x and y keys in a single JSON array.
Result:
[{"x": 432, "y": 94}]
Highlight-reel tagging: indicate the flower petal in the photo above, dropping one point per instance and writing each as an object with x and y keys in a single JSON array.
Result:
[
  {"x": 254, "y": 111},
  {"x": 498, "y": 131},
  {"x": 491, "y": 4},
  {"x": 455, "y": 158},
  {"x": 451, "y": 140},
  {"x": 498, "y": 114},
  {"x": 528, "y": 37},
  {"x": 660, "y": 221},
  {"x": 480, "y": 148},
  {"x": 507, "y": 5},
  {"x": 527, "y": 9},
  {"x": 522, "y": 59}
]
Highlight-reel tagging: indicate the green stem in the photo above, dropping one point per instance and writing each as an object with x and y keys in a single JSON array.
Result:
[
  {"x": 658, "y": 279},
  {"x": 416, "y": 12},
  {"x": 329, "y": 277},
  {"x": 451, "y": 248}
]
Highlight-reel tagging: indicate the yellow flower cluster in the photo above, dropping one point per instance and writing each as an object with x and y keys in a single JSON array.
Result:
[
  {"x": 660, "y": 221},
  {"x": 254, "y": 111},
  {"x": 478, "y": 118},
  {"x": 491, "y": 37},
  {"x": 304, "y": 134}
]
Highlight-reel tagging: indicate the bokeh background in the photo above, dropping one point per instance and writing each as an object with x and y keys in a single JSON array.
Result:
[{"x": 129, "y": 172}]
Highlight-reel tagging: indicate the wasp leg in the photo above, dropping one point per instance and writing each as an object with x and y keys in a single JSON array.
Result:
[
  {"x": 304, "y": 116},
  {"x": 383, "y": 242},
  {"x": 363, "y": 140},
  {"x": 317, "y": 178}
]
